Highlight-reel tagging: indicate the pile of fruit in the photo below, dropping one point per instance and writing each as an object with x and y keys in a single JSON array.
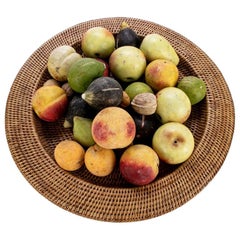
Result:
[{"x": 120, "y": 92}]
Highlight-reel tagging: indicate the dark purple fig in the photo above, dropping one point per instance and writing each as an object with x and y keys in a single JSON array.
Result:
[
  {"x": 127, "y": 37},
  {"x": 77, "y": 107}
]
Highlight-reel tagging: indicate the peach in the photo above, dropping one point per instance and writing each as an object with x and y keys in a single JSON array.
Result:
[
  {"x": 113, "y": 128},
  {"x": 161, "y": 73},
  {"x": 139, "y": 164},
  {"x": 49, "y": 103}
]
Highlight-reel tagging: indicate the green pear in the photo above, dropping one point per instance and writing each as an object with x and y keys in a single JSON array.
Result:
[
  {"x": 155, "y": 46},
  {"x": 82, "y": 131},
  {"x": 173, "y": 105}
]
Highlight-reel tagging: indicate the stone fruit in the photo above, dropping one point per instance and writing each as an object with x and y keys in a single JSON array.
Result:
[
  {"x": 69, "y": 155},
  {"x": 127, "y": 37},
  {"x": 137, "y": 87},
  {"x": 173, "y": 142},
  {"x": 49, "y": 103},
  {"x": 83, "y": 72},
  {"x": 77, "y": 107},
  {"x": 144, "y": 103},
  {"x": 103, "y": 92},
  {"x": 82, "y": 132},
  {"x": 67, "y": 89},
  {"x": 127, "y": 63},
  {"x": 173, "y": 105},
  {"x": 100, "y": 161},
  {"x": 155, "y": 46},
  {"x": 194, "y": 87},
  {"x": 98, "y": 42},
  {"x": 113, "y": 127},
  {"x": 160, "y": 74},
  {"x": 139, "y": 164},
  {"x": 60, "y": 60}
]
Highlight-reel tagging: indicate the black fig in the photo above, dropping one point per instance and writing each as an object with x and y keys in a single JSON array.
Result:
[
  {"x": 145, "y": 127},
  {"x": 77, "y": 107},
  {"x": 127, "y": 37}
]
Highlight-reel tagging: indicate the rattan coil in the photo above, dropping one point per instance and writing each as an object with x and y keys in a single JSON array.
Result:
[{"x": 31, "y": 141}]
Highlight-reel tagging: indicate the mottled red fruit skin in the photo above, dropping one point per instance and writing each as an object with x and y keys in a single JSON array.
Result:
[
  {"x": 113, "y": 128},
  {"x": 135, "y": 173},
  {"x": 49, "y": 103},
  {"x": 55, "y": 111},
  {"x": 139, "y": 164}
]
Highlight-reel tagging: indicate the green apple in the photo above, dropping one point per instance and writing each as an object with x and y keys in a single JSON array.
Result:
[
  {"x": 155, "y": 46},
  {"x": 127, "y": 63},
  {"x": 173, "y": 142},
  {"x": 98, "y": 42},
  {"x": 173, "y": 105},
  {"x": 194, "y": 87}
]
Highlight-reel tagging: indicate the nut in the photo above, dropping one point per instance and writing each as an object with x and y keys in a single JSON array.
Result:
[
  {"x": 67, "y": 89},
  {"x": 125, "y": 100},
  {"x": 144, "y": 103},
  {"x": 51, "y": 82}
]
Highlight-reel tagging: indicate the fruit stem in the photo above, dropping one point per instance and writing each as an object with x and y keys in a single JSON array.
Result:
[
  {"x": 143, "y": 119},
  {"x": 124, "y": 25}
]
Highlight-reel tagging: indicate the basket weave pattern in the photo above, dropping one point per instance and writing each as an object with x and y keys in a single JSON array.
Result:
[{"x": 32, "y": 141}]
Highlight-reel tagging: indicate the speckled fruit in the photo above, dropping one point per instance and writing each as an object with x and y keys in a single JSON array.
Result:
[
  {"x": 69, "y": 155},
  {"x": 161, "y": 73},
  {"x": 100, "y": 161},
  {"x": 194, "y": 87},
  {"x": 98, "y": 42},
  {"x": 127, "y": 63},
  {"x": 173, "y": 142},
  {"x": 113, "y": 127},
  {"x": 139, "y": 164}
]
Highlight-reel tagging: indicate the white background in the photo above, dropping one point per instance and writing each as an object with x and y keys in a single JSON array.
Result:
[{"x": 214, "y": 26}]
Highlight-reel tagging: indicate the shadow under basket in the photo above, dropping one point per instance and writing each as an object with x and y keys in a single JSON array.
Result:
[{"x": 32, "y": 141}]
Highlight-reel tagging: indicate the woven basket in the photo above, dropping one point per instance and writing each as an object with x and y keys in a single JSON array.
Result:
[{"x": 32, "y": 141}]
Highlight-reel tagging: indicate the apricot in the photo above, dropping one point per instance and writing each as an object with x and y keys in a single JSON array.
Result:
[
  {"x": 113, "y": 128},
  {"x": 99, "y": 161},
  {"x": 49, "y": 103},
  {"x": 69, "y": 155},
  {"x": 161, "y": 73},
  {"x": 139, "y": 164}
]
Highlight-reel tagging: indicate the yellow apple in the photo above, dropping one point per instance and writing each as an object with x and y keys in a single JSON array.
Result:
[{"x": 173, "y": 142}]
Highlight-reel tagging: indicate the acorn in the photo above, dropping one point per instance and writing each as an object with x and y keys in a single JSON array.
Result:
[{"x": 127, "y": 37}]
